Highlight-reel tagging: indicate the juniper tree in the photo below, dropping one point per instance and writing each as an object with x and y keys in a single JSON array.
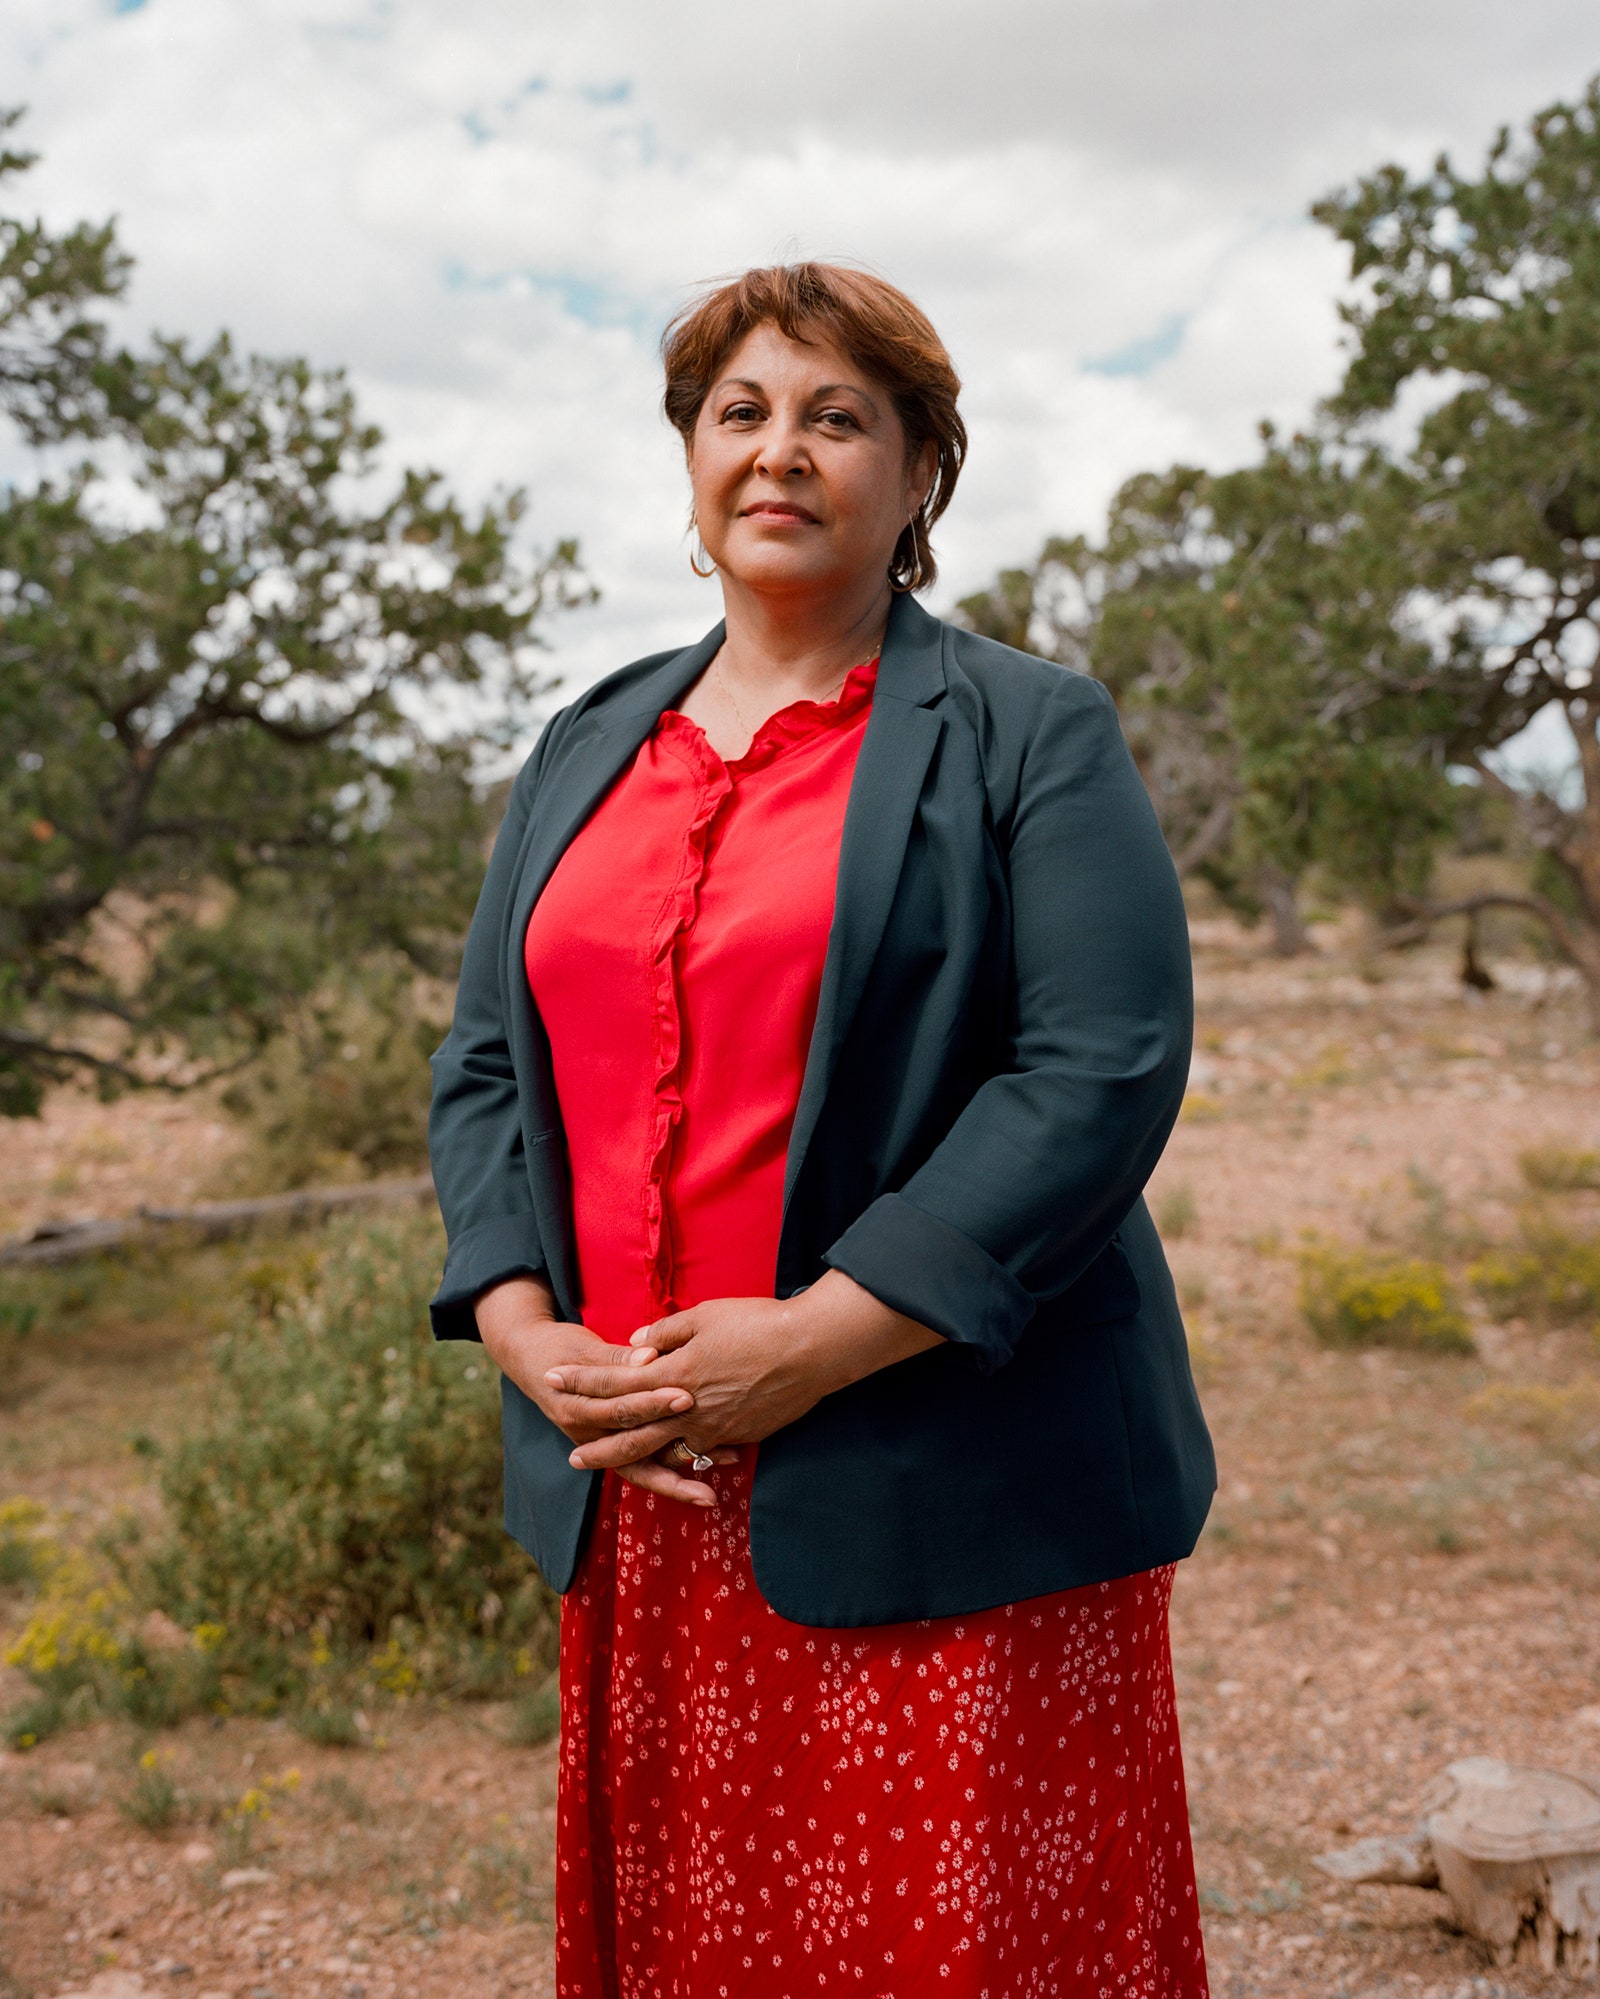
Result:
[
  {"x": 1485, "y": 287},
  {"x": 56, "y": 370},
  {"x": 1257, "y": 631},
  {"x": 245, "y": 682}
]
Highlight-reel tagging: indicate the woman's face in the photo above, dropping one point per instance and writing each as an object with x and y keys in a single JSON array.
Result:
[{"x": 799, "y": 468}]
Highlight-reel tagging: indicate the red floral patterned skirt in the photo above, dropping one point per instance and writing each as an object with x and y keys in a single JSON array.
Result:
[{"x": 980, "y": 1807}]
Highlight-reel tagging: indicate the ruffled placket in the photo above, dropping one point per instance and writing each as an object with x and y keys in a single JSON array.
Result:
[{"x": 712, "y": 785}]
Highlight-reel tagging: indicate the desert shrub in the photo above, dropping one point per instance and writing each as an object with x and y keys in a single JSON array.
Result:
[
  {"x": 258, "y": 1805},
  {"x": 36, "y": 1720},
  {"x": 342, "y": 1093},
  {"x": 87, "y": 1654},
  {"x": 1353, "y": 1299},
  {"x": 331, "y": 1725},
  {"x": 337, "y": 1516},
  {"x": 152, "y": 1803},
  {"x": 1550, "y": 1275},
  {"x": 25, "y": 1548},
  {"x": 1554, "y": 1169}
]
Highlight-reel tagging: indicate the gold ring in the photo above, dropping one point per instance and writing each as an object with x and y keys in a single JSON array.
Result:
[{"x": 683, "y": 1456}]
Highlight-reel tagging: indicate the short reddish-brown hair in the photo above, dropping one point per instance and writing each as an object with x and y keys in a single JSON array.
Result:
[{"x": 883, "y": 332}]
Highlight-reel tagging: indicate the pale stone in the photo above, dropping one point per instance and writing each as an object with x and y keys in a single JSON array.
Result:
[
  {"x": 110, "y": 1985},
  {"x": 245, "y": 1877}
]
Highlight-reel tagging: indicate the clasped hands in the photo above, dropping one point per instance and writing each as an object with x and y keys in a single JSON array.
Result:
[{"x": 722, "y": 1374}]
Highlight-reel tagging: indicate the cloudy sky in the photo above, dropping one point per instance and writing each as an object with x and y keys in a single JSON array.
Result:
[{"x": 486, "y": 209}]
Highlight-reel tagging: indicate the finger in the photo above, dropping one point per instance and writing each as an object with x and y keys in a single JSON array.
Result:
[
  {"x": 632, "y": 1412},
  {"x": 593, "y": 1416},
  {"x": 624, "y": 1447},
  {"x": 653, "y": 1476},
  {"x": 666, "y": 1335},
  {"x": 608, "y": 1381}
]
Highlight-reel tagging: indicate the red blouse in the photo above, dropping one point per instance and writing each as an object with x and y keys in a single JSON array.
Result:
[{"x": 704, "y": 889}]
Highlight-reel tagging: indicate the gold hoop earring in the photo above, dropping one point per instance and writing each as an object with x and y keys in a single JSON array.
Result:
[{"x": 711, "y": 569}]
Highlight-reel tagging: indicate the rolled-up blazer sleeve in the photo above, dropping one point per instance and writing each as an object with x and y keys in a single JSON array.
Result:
[
  {"x": 1046, "y": 1160},
  {"x": 475, "y": 1131}
]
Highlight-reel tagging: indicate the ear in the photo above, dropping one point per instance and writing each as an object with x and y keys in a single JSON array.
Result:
[{"x": 920, "y": 473}]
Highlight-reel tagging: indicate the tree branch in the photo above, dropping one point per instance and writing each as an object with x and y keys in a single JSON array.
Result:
[
  {"x": 1209, "y": 838},
  {"x": 51, "y": 1055},
  {"x": 1428, "y": 915}
]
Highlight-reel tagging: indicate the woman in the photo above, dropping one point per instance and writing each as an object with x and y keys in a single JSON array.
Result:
[{"x": 824, "y": 1014}]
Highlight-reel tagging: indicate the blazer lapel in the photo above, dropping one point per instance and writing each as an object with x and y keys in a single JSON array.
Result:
[
  {"x": 898, "y": 745},
  {"x": 598, "y": 748}
]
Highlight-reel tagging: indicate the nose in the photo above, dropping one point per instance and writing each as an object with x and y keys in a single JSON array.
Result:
[{"x": 783, "y": 452}]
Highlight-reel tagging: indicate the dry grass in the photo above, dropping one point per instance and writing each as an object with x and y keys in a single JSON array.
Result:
[{"x": 1401, "y": 1567}]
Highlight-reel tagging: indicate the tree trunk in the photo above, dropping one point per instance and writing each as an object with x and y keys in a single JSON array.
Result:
[
  {"x": 1277, "y": 891},
  {"x": 1474, "y": 972}
]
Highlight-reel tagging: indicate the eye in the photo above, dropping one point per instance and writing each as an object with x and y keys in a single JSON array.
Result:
[
  {"x": 839, "y": 420},
  {"x": 741, "y": 413}
]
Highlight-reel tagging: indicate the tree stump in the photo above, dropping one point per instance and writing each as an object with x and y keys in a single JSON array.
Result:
[{"x": 1517, "y": 1851}]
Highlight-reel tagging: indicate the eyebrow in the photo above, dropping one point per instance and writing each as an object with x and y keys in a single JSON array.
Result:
[{"x": 826, "y": 388}]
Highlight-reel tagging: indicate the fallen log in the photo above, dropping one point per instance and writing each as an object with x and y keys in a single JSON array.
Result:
[{"x": 209, "y": 1221}]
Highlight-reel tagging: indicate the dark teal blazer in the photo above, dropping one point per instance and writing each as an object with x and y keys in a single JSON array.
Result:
[{"x": 1001, "y": 1047}]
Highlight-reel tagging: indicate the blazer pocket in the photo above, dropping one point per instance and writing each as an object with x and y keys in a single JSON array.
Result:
[{"x": 1108, "y": 1289}]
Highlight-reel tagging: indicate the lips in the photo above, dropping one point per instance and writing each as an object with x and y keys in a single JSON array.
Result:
[{"x": 798, "y": 515}]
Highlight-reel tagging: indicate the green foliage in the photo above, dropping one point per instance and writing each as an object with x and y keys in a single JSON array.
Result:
[
  {"x": 342, "y": 1093},
  {"x": 152, "y": 1803},
  {"x": 1254, "y": 631},
  {"x": 1486, "y": 286},
  {"x": 331, "y": 1535},
  {"x": 25, "y": 1551},
  {"x": 220, "y": 642},
  {"x": 331, "y": 1726},
  {"x": 55, "y": 372},
  {"x": 1551, "y": 1275},
  {"x": 1354, "y": 1299},
  {"x": 1307, "y": 652},
  {"x": 35, "y": 1721},
  {"x": 339, "y": 1513},
  {"x": 216, "y": 713},
  {"x": 84, "y": 1651}
]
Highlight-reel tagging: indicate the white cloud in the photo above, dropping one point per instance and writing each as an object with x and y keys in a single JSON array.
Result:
[{"x": 487, "y": 213}]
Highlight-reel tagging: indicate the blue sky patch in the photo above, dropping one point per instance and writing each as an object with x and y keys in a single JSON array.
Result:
[
  {"x": 1148, "y": 352},
  {"x": 591, "y": 301}
]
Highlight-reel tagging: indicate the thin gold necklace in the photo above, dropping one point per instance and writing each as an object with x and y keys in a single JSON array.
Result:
[{"x": 726, "y": 685}]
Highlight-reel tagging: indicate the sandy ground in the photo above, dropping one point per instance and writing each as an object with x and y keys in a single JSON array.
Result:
[
  {"x": 1389, "y": 1580},
  {"x": 85, "y": 1158}
]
